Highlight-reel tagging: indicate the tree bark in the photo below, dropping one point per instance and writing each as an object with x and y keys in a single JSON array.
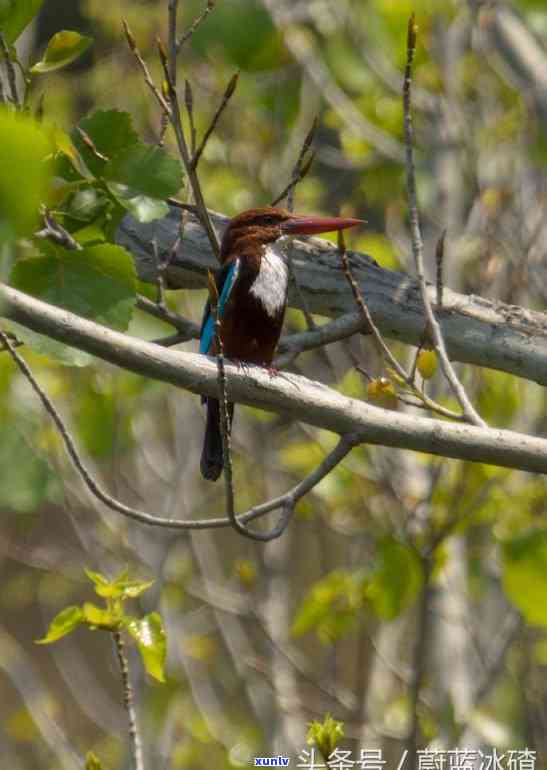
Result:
[{"x": 476, "y": 330}]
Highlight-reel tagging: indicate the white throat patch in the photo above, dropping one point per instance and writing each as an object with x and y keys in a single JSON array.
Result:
[{"x": 271, "y": 284}]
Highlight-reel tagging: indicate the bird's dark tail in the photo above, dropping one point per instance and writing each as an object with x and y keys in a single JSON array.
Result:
[{"x": 211, "y": 456}]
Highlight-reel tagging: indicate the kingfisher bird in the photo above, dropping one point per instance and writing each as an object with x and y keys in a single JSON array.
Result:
[{"x": 252, "y": 286}]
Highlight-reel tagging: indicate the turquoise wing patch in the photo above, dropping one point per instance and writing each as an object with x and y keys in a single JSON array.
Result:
[{"x": 207, "y": 332}]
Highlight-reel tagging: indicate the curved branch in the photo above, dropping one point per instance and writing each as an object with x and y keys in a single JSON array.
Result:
[
  {"x": 303, "y": 399},
  {"x": 475, "y": 330}
]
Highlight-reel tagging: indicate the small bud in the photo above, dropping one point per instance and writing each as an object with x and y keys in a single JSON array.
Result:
[
  {"x": 162, "y": 52},
  {"x": 246, "y": 573},
  {"x": 129, "y": 35},
  {"x": 310, "y": 135},
  {"x": 427, "y": 363},
  {"x": 412, "y": 31},
  {"x": 306, "y": 167},
  {"x": 325, "y": 735},
  {"x": 231, "y": 87},
  {"x": 92, "y": 762},
  {"x": 381, "y": 392},
  {"x": 188, "y": 96}
]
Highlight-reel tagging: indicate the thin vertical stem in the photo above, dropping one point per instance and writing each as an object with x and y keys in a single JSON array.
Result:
[
  {"x": 419, "y": 657},
  {"x": 134, "y": 738}
]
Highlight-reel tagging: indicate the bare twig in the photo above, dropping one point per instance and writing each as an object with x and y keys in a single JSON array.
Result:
[
  {"x": 3, "y": 97},
  {"x": 300, "y": 170},
  {"x": 56, "y": 233},
  {"x": 88, "y": 141},
  {"x": 384, "y": 351},
  {"x": 417, "y": 244},
  {"x": 297, "y": 177},
  {"x": 228, "y": 93},
  {"x": 439, "y": 257},
  {"x": 10, "y": 69},
  {"x": 134, "y": 737},
  {"x": 146, "y": 72},
  {"x": 169, "y": 63},
  {"x": 189, "y": 104},
  {"x": 187, "y": 329},
  {"x": 195, "y": 24}
]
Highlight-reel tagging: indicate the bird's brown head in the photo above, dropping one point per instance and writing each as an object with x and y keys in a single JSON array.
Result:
[{"x": 267, "y": 224}]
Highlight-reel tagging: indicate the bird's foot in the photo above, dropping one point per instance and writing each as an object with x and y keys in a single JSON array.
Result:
[
  {"x": 243, "y": 365},
  {"x": 272, "y": 371}
]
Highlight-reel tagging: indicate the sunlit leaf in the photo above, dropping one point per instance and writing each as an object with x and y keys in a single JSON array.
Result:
[
  {"x": 381, "y": 392},
  {"x": 97, "y": 617},
  {"x": 150, "y": 637},
  {"x": 15, "y": 15},
  {"x": 142, "y": 207},
  {"x": 62, "y": 624},
  {"x": 63, "y": 48},
  {"x": 92, "y": 762},
  {"x": 123, "y": 589},
  {"x": 24, "y": 147},
  {"x": 96, "y": 577},
  {"x": 325, "y": 735}
]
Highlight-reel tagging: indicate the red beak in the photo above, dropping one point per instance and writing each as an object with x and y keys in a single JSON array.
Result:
[{"x": 298, "y": 225}]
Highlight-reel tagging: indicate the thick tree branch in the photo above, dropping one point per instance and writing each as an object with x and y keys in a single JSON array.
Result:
[
  {"x": 303, "y": 399},
  {"x": 475, "y": 330}
]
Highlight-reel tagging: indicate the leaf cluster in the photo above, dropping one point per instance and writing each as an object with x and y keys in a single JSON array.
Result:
[{"x": 148, "y": 631}]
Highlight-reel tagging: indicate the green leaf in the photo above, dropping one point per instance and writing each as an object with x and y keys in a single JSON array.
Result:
[
  {"x": 62, "y": 624},
  {"x": 525, "y": 574},
  {"x": 331, "y": 607},
  {"x": 130, "y": 589},
  {"x": 15, "y": 15},
  {"x": 147, "y": 170},
  {"x": 63, "y": 48},
  {"x": 110, "y": 131},
  {"x": 325, "y": 735},
  {"x": 97, "y": 282},
  {"x": 143, "y": 208},
  {"x": 24, "y": 148},
  {"x": 150, "y": 637},
  {"x": 96, "y": 577},
  {"x": 92, "y": 762},
  {"x": 396, "y": 580},
  {"x": 96, "y": 617}
]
